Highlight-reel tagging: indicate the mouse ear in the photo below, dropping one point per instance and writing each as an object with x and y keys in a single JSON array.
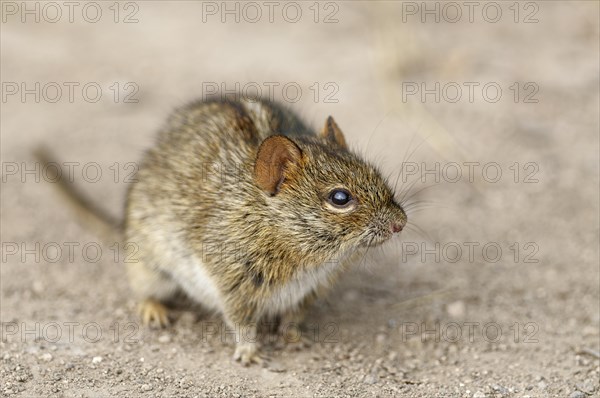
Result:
[
  {"x": 277, "y": 156},
  {"x": 332, "y": 132}
]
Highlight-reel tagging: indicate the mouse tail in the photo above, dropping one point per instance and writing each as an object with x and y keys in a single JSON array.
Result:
[{"x": 87, "y": 212}]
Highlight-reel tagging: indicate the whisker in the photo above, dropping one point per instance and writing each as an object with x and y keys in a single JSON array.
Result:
[
  {"x": 421, "y": 190},
  {"x": 398, "y": 243},
  {"x": 420, "y": 210},
  {"x": 409, "y": 156},
  {"x": 411, "y": 228},
  {"x": 366, "y": 251},
  {"x": 408, "y": 207},
  {"x": 404, "y": 159},
  {"x": 414, "y": 227},
  {"x": 405, "y": 190}
]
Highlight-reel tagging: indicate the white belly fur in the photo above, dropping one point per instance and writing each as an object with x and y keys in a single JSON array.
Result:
[
  {"x": 189, "y": 272},
  {"x": 290, "y": 295},
  {"x": 197, "y": 283}
]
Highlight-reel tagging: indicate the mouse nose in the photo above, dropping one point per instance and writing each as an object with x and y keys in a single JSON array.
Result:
[{"x": 396, "y": 227}]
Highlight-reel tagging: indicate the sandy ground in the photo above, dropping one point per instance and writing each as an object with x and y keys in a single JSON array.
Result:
[{"x": 493, "y": 292}]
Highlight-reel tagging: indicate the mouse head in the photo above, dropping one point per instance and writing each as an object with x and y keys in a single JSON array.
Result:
[{"x": 322, "y": 195}]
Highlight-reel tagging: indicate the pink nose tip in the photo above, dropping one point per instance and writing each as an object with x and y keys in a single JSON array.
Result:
[{"x": 396, "y": 227}]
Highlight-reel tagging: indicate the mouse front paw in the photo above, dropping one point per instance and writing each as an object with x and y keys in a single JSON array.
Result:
[
  {"x": 248, "y": 353},
  {"x": 154, "y": 314}
]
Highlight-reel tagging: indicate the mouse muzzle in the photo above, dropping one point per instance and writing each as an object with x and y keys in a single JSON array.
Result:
[
  {"x": 396, "y": 226},
  {"x": 397, "y": 218},
  {"x": 382, "y": 228}
]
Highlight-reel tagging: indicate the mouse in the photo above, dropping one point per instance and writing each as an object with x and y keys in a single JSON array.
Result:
[{"x": 251, "y": 214}]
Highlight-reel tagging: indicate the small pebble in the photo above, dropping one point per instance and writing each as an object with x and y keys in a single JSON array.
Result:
[
  {"x": 380, "y": 338},
  {"x": 165, "y": 338},
  {"x": 587, "y": 386},
  {"x": 47, "y": 357},
  {"x": 38, "y": 287},
  {"x": 370, "y": 379},
  {"x": 577, "y": 394},
  {"x": 456, "y": 309},
  {"x": 479, "y": 394},
  {"x": 96, "y": 359},
  {"x": 146, "y": 387},
  {"x": 542, "y": 385},
  {"x": 500, "y": 389}
]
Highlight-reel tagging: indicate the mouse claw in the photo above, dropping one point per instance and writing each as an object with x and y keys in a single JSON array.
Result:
[
  {"x": 248, "y": 353},
  {"x": 154, "y": 314}
]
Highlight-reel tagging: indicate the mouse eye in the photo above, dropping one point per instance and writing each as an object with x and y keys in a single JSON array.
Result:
[{"x": 340, "y": 198}]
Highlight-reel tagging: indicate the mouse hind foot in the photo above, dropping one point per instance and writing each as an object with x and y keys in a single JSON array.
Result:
[
  {"x": 154, "y": 314},
  {"x": 153, "y": 289}
]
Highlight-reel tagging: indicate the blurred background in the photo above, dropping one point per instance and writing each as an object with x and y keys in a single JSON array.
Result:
[{"x": 486, "y": 113}]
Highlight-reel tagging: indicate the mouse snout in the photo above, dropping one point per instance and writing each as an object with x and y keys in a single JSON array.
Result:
[
  {"x": 396, "y": 226},
  {"x": 398, "y": 222}
]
